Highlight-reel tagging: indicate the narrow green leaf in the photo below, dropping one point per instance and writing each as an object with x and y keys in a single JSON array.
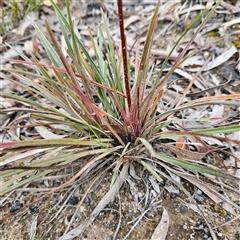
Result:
[
  {"x": 114, "y": 177},
  {"x": 219, "y": 130},
  {"x": 151, "y": 170},
  {"x": 193, "y": 167},
  {"x": 185, "y": 164}
]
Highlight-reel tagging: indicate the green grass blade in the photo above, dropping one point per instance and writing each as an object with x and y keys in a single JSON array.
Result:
[
  {"x": 151, "y": 170},
  {"x": 185, "y": 164},
  {"x": 219, "y": 130}
]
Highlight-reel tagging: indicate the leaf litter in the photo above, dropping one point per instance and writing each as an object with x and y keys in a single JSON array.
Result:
[{"x": 218, "y": 50}]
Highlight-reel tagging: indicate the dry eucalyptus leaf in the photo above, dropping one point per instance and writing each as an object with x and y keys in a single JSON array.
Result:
[
  {"x": 160, "y": 232},
  {"x": 186, "y": 154},
  {"x": 193, "y": 62},
  {"x": 154, "y": 183},
  {"x": 34, "y": 228},
  {"x": 221, "y": 59},
  {"x": 46, "y": 134}
]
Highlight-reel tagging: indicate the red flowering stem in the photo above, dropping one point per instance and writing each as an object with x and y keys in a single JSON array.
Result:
[{"x": 124, "y": 52}]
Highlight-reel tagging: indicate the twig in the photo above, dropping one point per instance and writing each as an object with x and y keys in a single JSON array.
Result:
[{"x": 230, "y": 7}]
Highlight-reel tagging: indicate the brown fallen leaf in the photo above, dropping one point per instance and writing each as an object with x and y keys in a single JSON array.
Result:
[
  {"x": 185, "y": 154},
  {"x": 161, "y": 230}
]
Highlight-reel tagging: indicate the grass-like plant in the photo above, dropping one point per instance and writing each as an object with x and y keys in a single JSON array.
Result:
[
  {"x": 104, "y": 109},
  {"x": 15, "y": 11}
]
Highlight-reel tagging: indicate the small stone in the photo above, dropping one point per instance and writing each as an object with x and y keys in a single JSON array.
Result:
[
  {"x": 94, "y": 196},
  {"x": 73, "y": 200},
  {"x": 183, "y": 209},
  {"x": 132, "y": 214},
  {"x": 41, "y": 182},
  {"x": 228, "y": 218},
  {"x": 185, "y": 227},
  {"x": 206, "y": 230},
  {"x": 206, "y": 54},
  {"x": 87, "y": 200},
  {"x": 57, "y": 183},
  {"x": 199, "y": 192},
  {"x": 33, "y": 209},
  {"x": 15, "y": 206},
  {"x": 199, "y": 197}
]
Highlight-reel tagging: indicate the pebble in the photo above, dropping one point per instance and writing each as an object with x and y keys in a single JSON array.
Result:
[
  {"x": 33, "y": 209},
  {"x": 94, "y": 196},
  {"x": 73, "y": 200},
  {"x": 132, "y": 214},
  {"x": 201, "y": 226},
  {"x": 185, "y": 227},
  {"x": 228, "y": 218},
  {"x": 183, "y": 209},
  {"x": 15, "y": 206},
  {"x": 199, "y": 196},
  {"x": 87, "y": 200},
  {"x": 229, "y": 73}
]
